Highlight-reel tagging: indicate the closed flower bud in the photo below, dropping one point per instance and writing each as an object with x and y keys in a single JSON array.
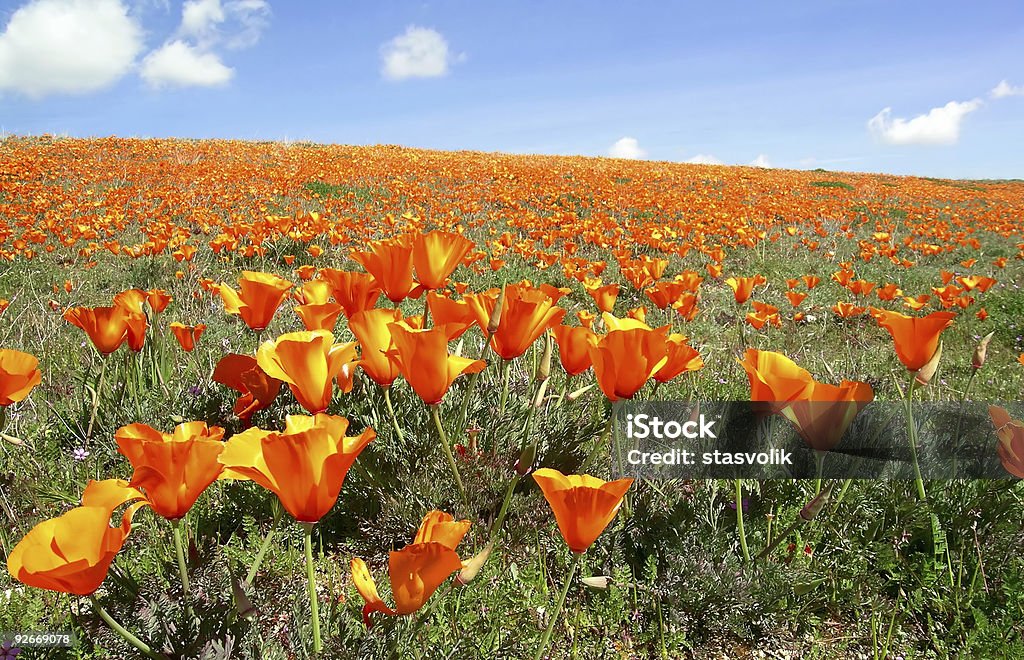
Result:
[
  {"x": 495, "y": 321},
  {"x": 572, "y": 396},
  {"x": 927, "y": 372},
  {"x": 981, "y": 352},
  {"x": 525, "y": 461},
  {"x": 544, "y": 370},
  {"x": 472, "y": 566},
  {"x": 597, "y": 581},
  {"x": 814, "y": 507}
]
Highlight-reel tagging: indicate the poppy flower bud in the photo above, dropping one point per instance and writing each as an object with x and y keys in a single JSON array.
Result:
[
  {"x": 981, "y": 351},
  {"x": 814, "y": 507},
  {"x": 597, "y": 581},
  {"x": 472, "y": 566},
  {"x": 525, "y": 460},
  {"x": 495, "y": 321},
  {"x": 544, "y": 370},
  {"x": 927, "y": 372},
  {"x": 572, "y": 396}
]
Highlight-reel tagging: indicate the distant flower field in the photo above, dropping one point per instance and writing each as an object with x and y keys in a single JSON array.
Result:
[{"x": 290, "y": 400}]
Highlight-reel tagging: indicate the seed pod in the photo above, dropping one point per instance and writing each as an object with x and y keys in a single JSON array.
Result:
[
  {"x": 814, "y": 507},
  {"x": 492, "y": 327}
]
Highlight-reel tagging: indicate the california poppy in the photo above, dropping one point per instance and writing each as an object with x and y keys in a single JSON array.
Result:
[
  {"x": 604, "y": 295},
  {"x": 625, "y": 359},
  {"x": 916, "y": 338},
  {"x": 106, "y": 327},
  {"x": 257, "y": 299},
  {"x": 304, "y": 465},
  {"x": 371, "y": 328},
  {"x": 1010, "y": 433},
  {"x": 743, "y": 287},
  {"x": 456, "y": 314},
  {"x": 73, "y": 552},
  {"x": 583, "y": 505},
  {"x": 774, "y": 378},
  {"x": 681, "y": 358},
  {"x": 825, "y": 412},
  {"x": 19, "y": 373},
  {"x": 436, "y": 256},
  {"x": 390, "y": 263},
  {"x": 355, "y": 292},
  {"x": 574, "y": 347},
  {"x": 423, "y": 359},
  {"x": 187, "y": 335},
  {"x": 308, "y": 362},
  {"x": 417, "y": 570},
  {"x": 173, "y": 469},
  {"x": 158, "y": 299},
  {"x": 242, "y": 374}
]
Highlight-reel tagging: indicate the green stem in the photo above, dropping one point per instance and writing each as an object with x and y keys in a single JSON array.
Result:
[
  {"x": 311, "y": 585},
  {"x": 391, "y": 414},
  {"x": 506, "y": 368},
  {"x": 96, "y": 396},
  {"x": 448, "y": 451},
  {"x": 739, "y": 520},
  {"x": 959, "y": 421},
  {"x": 179, "y": 552},
  {"x": 121, "y": 630},
  {"x": 912, "y": 435},
  {"x": 558, "y": 607},
  {"x": 819, "y": 461},
  {"x": 263, "y": 548}
]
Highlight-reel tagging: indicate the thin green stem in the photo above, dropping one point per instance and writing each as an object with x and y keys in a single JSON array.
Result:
[
  {"x": 311, "y": 585},
  {"x": 739, "y": 520},
  {"x": 179, "y": 552},
  {"x": 121, "y": 630},
  {"x": 577, "y": 558},
  {"x": 96, "y": 396},
  {"x": 819, "y": 462},
  {"x": 506, "y": 368},
  {"x": 391, "y": 414},
  {"x": 268, "y": 537},
  {"x": 912, "y": 435},
  {"x": 446, "y": 445},
  {"x": 959, "y": 421}
]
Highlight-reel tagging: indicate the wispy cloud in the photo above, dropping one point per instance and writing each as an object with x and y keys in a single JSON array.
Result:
[
  {"x": 1004, "y": 89},
  {"x": 703, "y": 159},
  {"x": 626, "y": 147},
  {"x": 761, "y": 161}
]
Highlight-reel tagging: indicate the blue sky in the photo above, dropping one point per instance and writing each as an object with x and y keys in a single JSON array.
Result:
[{"x": 788, "y": 84}]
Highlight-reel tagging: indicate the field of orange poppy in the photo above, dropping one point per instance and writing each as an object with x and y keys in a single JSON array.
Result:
[{"x": 236, "y": 378}]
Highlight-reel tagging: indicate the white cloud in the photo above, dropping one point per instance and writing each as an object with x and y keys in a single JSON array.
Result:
[
  {"x": 760, "y": 161},
  {"x": 939, "y": 126},
  {"x": 178, "y": 64},
  {"x": 417, "y": 53},
  {"x": 1004, "y": 89},
  {"x": 703, "y": 159},
  {"x": 200, "y": 17},
  {"x": 626, "y": 147},
  {"x": 67, "y": 46}
]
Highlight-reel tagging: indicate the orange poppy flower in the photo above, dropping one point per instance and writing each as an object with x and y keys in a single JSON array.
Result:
[
  {"x": 436, "y": 256},
  {"x": 371, "y": 328},
  {"x": 774, "y": 378},
  {"x": 574, "y": 347},
  {"x": 454, "y": 313},
  {"x": 847, "y": 310},
  {"x": 257, "y": 299},
  {"x": 811, "y": 281},
  {"x": 390, "y": 263},
  {"x": 417, "y": 570},
  {"x": 106, "y": 327},
  {"x": 315, "y": 292},
  {"x": 526, "y": 313},
  {"x": 915, "y": 338},
  {"x": 158, "y": 299},
  {"x": 423, "y": 359},
  {"x": 187, "y": 335},
  {"x": 681, "y": 358},
  {"x": 242, "y": 374},
  {"x": 19, "y": 373},
  {"x": 583, "y": 505},
  {"x": 308, "y": 362},
  {"x": 304, "y": 465},
  {"x": 322, "y": 316},
  {"x": 625, "y": 359},
  {"x": 133, "y": 301},
  {"x": 72, "y": 553},
  {"x": 917, "y": 303},
  {"x": 826, "y": 411},
  {"x": 743, "y": 287},
  {"x": 795, "y": 297},
  {"x": 173, "y": 469},
  {"x": 355, "y": 292},
  {"x": 604, "y": 296},
  {"x": 1010, "y": 433}
]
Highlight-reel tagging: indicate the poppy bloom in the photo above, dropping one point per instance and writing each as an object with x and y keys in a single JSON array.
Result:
[
  {"x": 743, "y": 287},
  {"x": 774, "y": 378},
  {"x": 525, "y": 314},
  {"x": 583, "y": 505},
  {"x": 19, "y": 373},
  {"x": 106, "y": 327},
  {"x": 257, "y": 299},
  {"x": 826, "y": 411},
  {"x": 574, "y": 347},
  {"x": 371, "y": 328},
  {"x": 390, "y": 263},
  {"x": 916, "y": 338},
  {"x": 604, "y": 296},
  {"x": 308, "y": 362},
  {"x": 158, "y": 299},
  {"x": 133, "y": 301},
  {"x": 1010, "y": 433},
  {"x": 625, "y": 359},
  {"x": 436, "y": 256},
  {"x": 681, "y": 358},
  {"x": 187, "y": 335},
  {"x": 355, "y": 292},
  {"x": 423, "y": 359},
  {"x": 242, "y": 374},
  {"x": 304, "y": 465},
  {"x": 72, "y": 553},
  {"x": 454, "y": 313},
  {"x": 322, "y": 316},
  {"x": 173, "y": 469},
  {"x": 417, "y": 570}
]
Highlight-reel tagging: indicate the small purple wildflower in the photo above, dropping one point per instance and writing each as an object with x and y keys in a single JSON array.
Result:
[
  {"x": 8, "y": 651},
  {"x": 80, "y": 454}
]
